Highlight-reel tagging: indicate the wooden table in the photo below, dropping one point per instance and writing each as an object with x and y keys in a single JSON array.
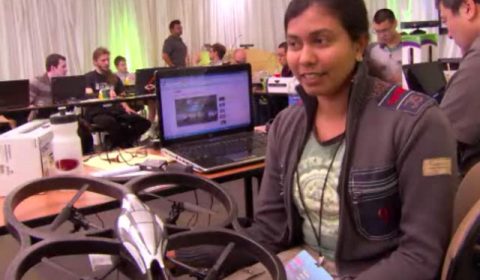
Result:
[{"x": 41, "y": 209}]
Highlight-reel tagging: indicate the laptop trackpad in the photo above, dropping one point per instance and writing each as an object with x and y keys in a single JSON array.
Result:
[
  {"x": 238, "y": 156},
  {"x": 210, "y": 161}
]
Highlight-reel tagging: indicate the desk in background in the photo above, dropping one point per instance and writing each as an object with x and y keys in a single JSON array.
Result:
[
  {"x": 82, "y": 103},
  {"x": 268, "y": 105}
]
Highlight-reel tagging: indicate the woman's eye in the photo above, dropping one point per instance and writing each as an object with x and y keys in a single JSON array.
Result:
[
  {"x": 320, "y": 41},
  {"x": 293, "y": 45}
]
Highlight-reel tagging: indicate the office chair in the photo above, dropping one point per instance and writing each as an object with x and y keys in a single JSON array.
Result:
[
  {"x": 99, "y": 135},
  {"x": 468, "y": 194},
  {"x": 462, "y": 260}
]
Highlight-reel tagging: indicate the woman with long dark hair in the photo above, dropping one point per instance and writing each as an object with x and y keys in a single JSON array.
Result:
[{"x": 363, "y": 172}]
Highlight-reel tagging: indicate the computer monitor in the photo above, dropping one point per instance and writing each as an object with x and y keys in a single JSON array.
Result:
[
  {"x": 200, "y": 101},
  {"x": 427, "y": 78},
  {"x": 145, "y": 80},
  {"x": 14, "y": 94},
  {"x": 68, "y": 89}
]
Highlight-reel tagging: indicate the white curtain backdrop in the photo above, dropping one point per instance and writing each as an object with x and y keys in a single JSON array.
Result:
[{"x": 136, "y": 29}]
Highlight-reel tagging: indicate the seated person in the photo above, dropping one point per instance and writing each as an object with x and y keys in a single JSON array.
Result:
[
  {"x": 40, "y": 87},
  {"x": 371, "y": 201},
  {"x": 123, "y": 124},
  {"x": 239, "y": 56},
  {"x": 384, "y": 58},
  {"x": 282, "y": 59},
  {"x": 217, "y": 52},
  {"x": 202, "y": 58},
  {"x": 128, "y": 80},
  {"x": 126, "y": 77},
  {"x": 41, "y": 95},
  {"x": 6, "y": 124},
  {"x": 279, "y": 102}
]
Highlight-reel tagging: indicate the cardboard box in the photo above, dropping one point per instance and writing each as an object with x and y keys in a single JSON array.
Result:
[{"x": 25, "y": 154}]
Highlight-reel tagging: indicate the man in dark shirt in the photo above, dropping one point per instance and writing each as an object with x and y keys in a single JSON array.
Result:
[
  {"x": 122, "y": 123},
  {"x": 174, "y": 49}
]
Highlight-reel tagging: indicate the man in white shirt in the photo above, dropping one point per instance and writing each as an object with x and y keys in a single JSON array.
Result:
[{"x": 384, "y": 58}]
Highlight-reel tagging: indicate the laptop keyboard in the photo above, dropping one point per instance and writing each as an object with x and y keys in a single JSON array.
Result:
[{"x": 226, "y": 145}]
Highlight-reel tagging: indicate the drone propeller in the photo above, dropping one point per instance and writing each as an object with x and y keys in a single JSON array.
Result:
[
  {"x": 184, "y": 205},
  {"x": 66, "y": 212},
  {"x": 216, "y": 269},
  {"x": 192, "y": 271},
  {"x": 108, "y": 271},
  {"x": 73, "y": 275},
  {"x": 60, "y": 268}
]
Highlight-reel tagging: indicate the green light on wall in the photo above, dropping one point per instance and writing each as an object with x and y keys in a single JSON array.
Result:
[
  {"x": 124, "y": 39},
  {"x": 404, "y": 7}
]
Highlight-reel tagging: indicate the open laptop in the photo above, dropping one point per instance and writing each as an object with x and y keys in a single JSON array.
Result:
[
  {"x": 14, "y": 94},
  {"x": 206, "y": 117},
  {"x": 145, "y": 80},
  {"x": 68, "y": 89},
  {"x": 427, "y": 78}
]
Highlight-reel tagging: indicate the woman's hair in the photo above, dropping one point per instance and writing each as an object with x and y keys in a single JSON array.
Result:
[{"x": 351, "y": 13}]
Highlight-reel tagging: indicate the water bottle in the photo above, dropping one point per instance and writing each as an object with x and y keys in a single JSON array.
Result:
[{"x": 66, "y": 145}]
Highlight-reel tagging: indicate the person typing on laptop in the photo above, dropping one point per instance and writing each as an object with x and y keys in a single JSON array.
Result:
[
  {"x": 41, "y": 95},
  {"x": 41, "y": 87},
  {"x": 6, "y": 124}
]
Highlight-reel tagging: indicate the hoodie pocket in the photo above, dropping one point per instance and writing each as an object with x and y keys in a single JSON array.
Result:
[{"x": 375, "y": 202}]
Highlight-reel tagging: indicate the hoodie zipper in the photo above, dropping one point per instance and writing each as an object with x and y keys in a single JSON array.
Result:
[
  {"x": 290, "y": 175},
  {"x": 354, "y": 111}
]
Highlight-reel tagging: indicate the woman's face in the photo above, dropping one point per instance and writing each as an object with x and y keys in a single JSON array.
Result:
[{"x": 320, "y": 52}]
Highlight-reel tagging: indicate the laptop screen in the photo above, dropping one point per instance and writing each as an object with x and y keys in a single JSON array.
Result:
[
  {"x": 426, "y": 77},
  {"x": 204, "y": 101},
  {"x": 68, "y": 89},
  {"x": 14, "y": 94},
  {"x": 145, "y": 80}
]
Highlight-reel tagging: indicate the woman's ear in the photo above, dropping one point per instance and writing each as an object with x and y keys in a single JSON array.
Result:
[{"x": 360, "y": 45}]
